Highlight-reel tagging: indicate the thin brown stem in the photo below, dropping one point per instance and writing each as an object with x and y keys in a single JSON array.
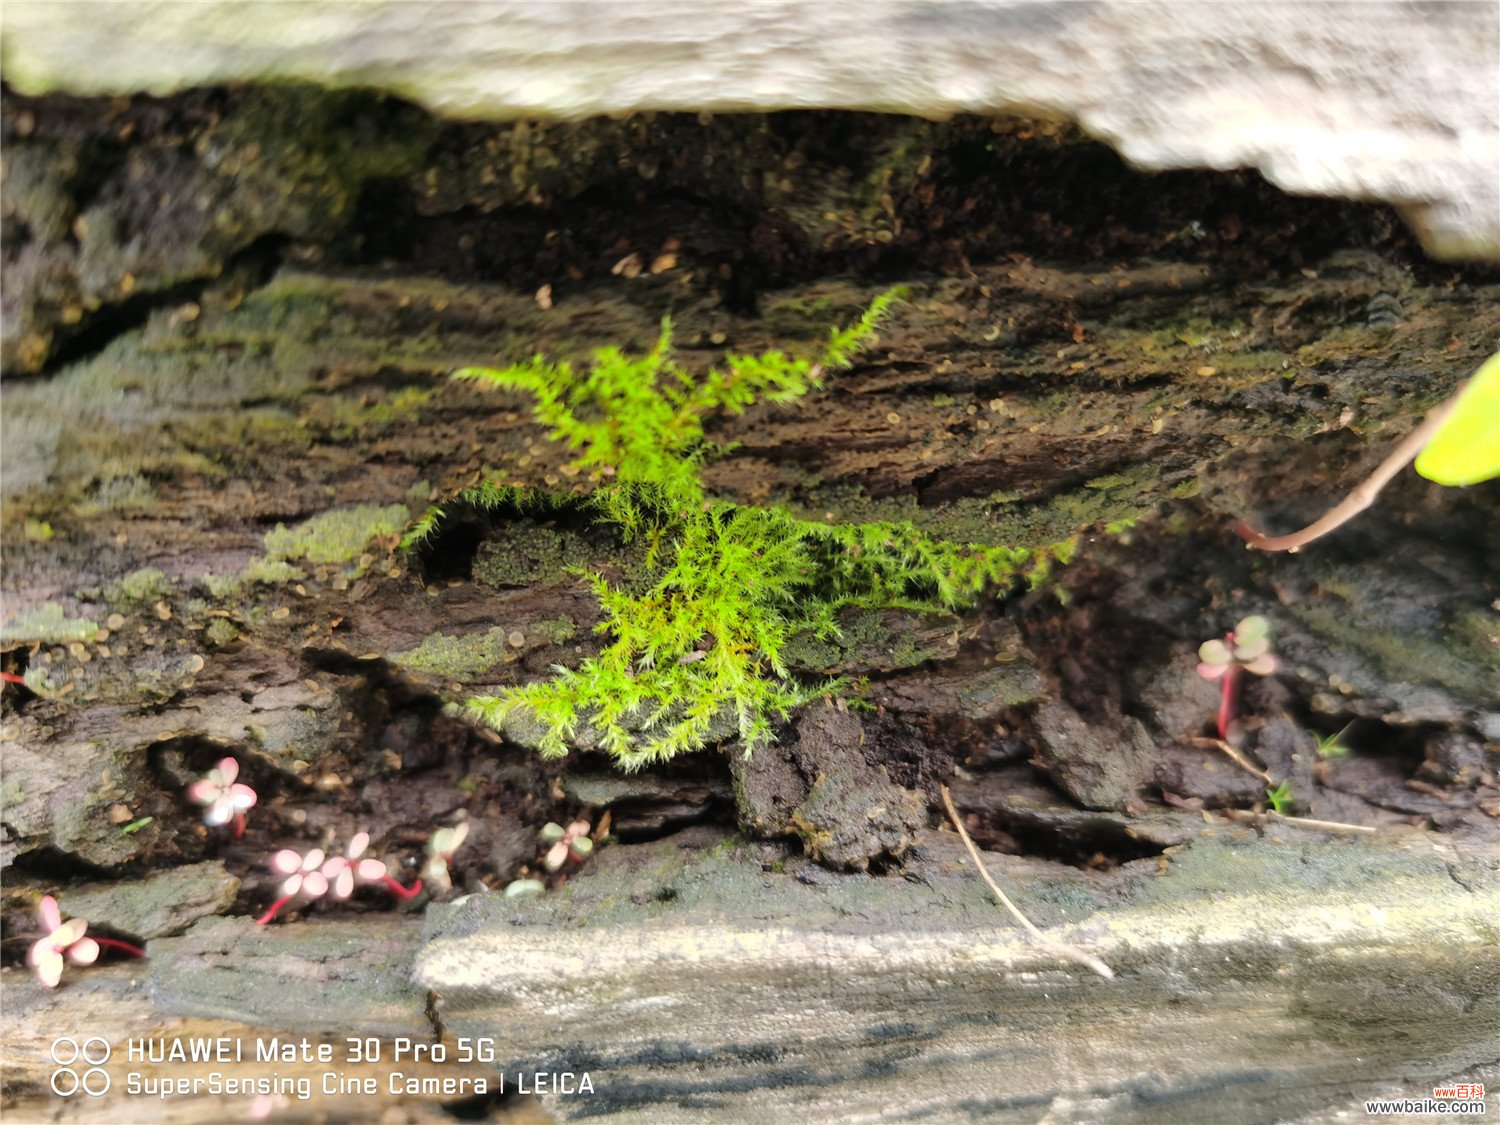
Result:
[
  {"x": 1245, "y": 816},
  {"x": 1363, "y": 495},
  {"x": 1234, "y": 755},
  {"x": 1062, "y": 949}
]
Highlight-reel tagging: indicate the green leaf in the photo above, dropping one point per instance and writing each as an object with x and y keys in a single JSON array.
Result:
[{"x": 1466, "y": 448}]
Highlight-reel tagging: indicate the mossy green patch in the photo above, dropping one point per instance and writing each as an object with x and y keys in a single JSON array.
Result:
[
  {"x": 47, "y": 624},
  {"x": 1003, "y": 517},
  {"x": 338, "y": 536},
  {"x": 558, "y": 630},
  {"x": 523, "y": 553},
  {"x": 700, "y": 631},
  {"x": 220, "y": 632},
  {"x": 454, "y": 658},
  {"x": 146, "y": 585}
]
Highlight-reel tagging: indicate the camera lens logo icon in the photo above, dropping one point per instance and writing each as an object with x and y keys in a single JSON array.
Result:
[{"x": 93, "y": 1053}]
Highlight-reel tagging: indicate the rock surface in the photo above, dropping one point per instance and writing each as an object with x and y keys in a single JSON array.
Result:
[
  {"x": 162, "y": 905},
  {"x": 743, "y": 991},
  {"x": 1387, "y": 101},
  {"x": 699, "y": 979}
]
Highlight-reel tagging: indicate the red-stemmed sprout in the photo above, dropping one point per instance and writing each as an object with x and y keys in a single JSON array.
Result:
[
  {"x": 1245, "y": 648},
  {"x": 345, "y": 872},
  {"x": 441, "y": 848},
  {"x": 570, "y": 844},
  {"x": 304, "y": 879},
  {"x": 313, "y": 875},
  {"x": 223, "y": 797},
  {"x": 65, "y": 941}
]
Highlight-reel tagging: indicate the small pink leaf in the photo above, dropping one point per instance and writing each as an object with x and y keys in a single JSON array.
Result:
[
  {"x": 242, "y": 797},
  {"x": 84, "y": 952},
  {"x": 370, "y": 870}
]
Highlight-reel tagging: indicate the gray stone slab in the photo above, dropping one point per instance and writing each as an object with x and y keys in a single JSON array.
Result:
[
  {"x": 1257, "y": 978},
  {"x": 1384, "y": 101}
]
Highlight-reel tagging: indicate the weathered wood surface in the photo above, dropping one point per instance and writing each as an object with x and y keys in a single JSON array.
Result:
[
  {"x": 1180, "y": 353},
  {"x": 1389, "y": 101}
]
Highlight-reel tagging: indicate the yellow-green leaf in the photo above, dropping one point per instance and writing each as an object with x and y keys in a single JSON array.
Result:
[{"x": 1466, "y": 448}]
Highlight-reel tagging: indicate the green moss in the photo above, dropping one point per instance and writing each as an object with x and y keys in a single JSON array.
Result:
[
  {"x": 220, "y": 632},
  {"x": 140, "y": 586},
  {"x": 454, "y": 658},
  {"x": 523, "y": 553},
  {"x": 338, "y": 536},
  {"x": 1003, "y": 517},
  {"x": 700, "y": 631},
  {"x": 558, "y": 630},
  {"x": 47, "y": 624}
]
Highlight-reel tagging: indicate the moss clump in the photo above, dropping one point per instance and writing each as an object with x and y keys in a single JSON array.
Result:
[
  {"x": 454, "y": 658},
  {"x": 140, "y": 586},
  {"x": 557, "y": 629},
  {"x": 220, "y": 632},
  {"x": 338, "y": 536},
  {"x": 523, "y": 553},
  {"x": 702, "y": 634},
  {"x": 47, "y": 624}
]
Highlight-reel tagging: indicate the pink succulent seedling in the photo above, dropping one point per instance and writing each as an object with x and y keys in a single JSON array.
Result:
[
  {"x": 570, "y": 844},
  {"x": 441, "y": 849},
  {"x": 224, "y": 798},
  {"x": 313, "y": 875},
  {"x": 345, "y": 872},
  {"x": 66, "y": 941},
  {"x": 304, "y": 878},
  {"x": 1245, "y": 648}
]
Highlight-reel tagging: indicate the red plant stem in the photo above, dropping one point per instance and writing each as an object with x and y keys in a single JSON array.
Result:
[
  {"x": 275, "y": 909},
  {"x": 401, "y": 892},
  {"x": 239, "y": 825},
  {"x": 12, "y": 678},
  {"x": 122, "y": 946},
  {"x": 1227, "y": 691}
]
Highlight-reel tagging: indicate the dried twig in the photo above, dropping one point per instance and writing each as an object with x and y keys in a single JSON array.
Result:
[
  {"x": 1364, "y": 495},
  {"x": 1062, "y": 949},
  {"x": 1302, "y": 821},
  {"x": 1238, "y": 758}
]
